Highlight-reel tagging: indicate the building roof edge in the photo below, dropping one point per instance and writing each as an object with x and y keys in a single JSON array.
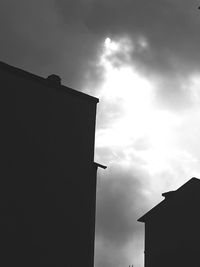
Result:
[
  {"x": 167, "y": 196},
  {"x": 46, "y": 82}
]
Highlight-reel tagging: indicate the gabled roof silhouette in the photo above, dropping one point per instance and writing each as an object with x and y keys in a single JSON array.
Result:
[
  {"x": 190, "y": 189},
  {"x": 51, "y": 81}
]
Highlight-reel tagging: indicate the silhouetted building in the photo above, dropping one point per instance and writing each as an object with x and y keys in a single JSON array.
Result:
[
  {"x": 48, "y": 174},
  {"x": 172, "y": 228}
]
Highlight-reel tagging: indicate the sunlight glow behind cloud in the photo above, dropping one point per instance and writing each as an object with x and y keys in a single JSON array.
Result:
[{"x": 139, "y": 118}]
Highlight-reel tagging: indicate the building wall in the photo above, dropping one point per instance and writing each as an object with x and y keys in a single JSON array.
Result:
[
  {"x": 172, "y": 236},
  {"x": 47, "y": 194}
]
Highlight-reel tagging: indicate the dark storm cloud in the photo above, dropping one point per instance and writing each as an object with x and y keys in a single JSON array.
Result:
[
  {"x": 25, "y": 32},
  {"x": 120, "y": 201},
  {"x": 169, "y": 27},
  {"x": 118, "y": 204},
  {"x": 65, "y": 37},
  {"x": 35, "y": 37}
]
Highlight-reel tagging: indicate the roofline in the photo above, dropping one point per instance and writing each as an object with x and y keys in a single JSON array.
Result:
[
  {"x": 143, "y": 217},
  {"x": 166, "y": 195},
  {"x": 44, "y": 81}
]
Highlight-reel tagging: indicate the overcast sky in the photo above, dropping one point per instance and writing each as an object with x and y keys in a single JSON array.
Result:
[{"x": 142, "y": 59}]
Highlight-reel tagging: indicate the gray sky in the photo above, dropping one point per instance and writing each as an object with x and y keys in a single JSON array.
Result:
[{"x": 142, "y": 59}]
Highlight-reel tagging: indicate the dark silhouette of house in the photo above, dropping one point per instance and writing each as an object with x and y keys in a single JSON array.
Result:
[
  {"x": 172, "y": 228},
  {"x": 48, "y": 174}
]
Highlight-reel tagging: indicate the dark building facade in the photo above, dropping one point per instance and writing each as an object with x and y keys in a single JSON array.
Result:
[
  {"x": 48, "y": 181},
  {"x": 172, "y": 228}
]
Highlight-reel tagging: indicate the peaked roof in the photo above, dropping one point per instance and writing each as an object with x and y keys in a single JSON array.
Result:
[
  {"x": 191, "y": 187},
  {"x": 46, "y": 81}
]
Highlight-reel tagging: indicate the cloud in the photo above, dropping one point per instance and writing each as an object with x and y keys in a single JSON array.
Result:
[
  {"x": 115, "y": 212},
  {"x": 159, "y": 22},
  {"x": 65, "y": 37},
  {"x": 120, "y": 201},
  {"x": 164, "y": 34},
  {"x": 35, "y": 37}
]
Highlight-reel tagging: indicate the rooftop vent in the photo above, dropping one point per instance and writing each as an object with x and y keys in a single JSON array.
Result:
[{"x": 55, "y": 79}]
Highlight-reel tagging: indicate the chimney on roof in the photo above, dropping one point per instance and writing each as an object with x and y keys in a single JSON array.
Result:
[
  {"x": 168, "y": 194},
  {"x": 55, "y": 79}
]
